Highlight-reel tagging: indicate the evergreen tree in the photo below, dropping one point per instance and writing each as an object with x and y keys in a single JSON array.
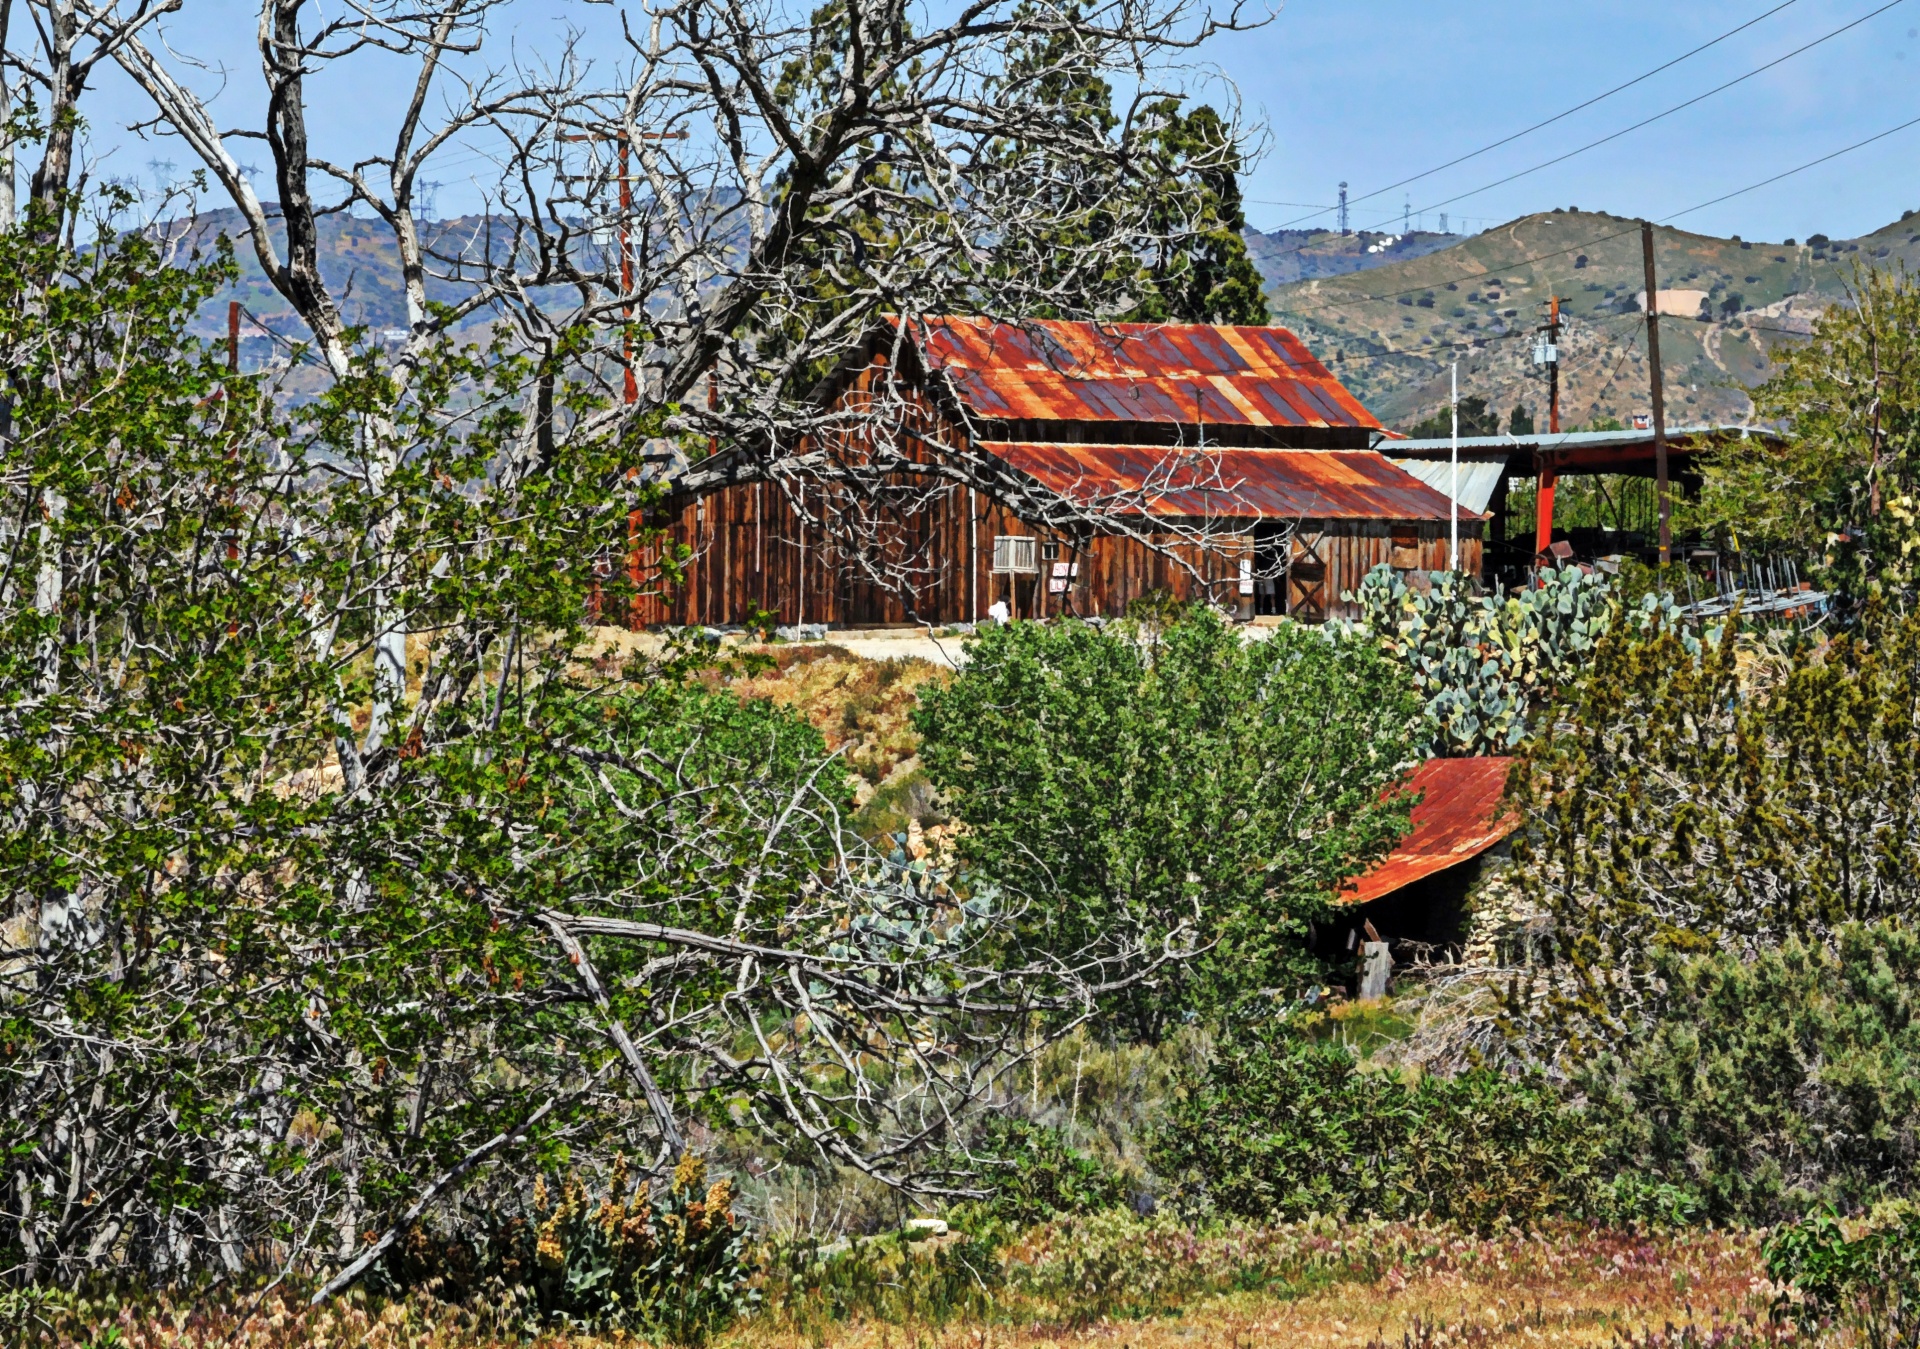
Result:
[
  {"x": 1842, "y": 491},
  {"x": 1201, "y": 272},
  {"x": 1476, "y": 419}
]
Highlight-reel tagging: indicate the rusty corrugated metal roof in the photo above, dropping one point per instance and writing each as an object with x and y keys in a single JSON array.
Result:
[
  {"x": 1192, "y": 374},
  {"x": 1458, "y": 818},
  {"x": 1229, "y": 484}
]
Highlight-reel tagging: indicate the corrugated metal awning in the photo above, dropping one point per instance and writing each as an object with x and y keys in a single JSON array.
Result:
[
  {"x": 1228, "y": 484},
  {"x": 1458, "y": 818},
  {"x": 1478, "y": 478}
]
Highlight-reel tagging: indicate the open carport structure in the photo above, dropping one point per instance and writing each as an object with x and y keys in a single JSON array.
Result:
[{"x": 1490, "y": 464}]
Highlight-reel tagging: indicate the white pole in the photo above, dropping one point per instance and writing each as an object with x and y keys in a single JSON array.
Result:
[{"x": 1453, "y": 523}]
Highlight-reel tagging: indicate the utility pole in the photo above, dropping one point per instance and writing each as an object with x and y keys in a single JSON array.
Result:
[
  {"x": 1453, "y": 517},
  {"x": 1546, "y": 352},
  {"x": 1659, "y": 396},
  {"x": 632, "y": 389},
  {"x": 1344, "y": 231}
]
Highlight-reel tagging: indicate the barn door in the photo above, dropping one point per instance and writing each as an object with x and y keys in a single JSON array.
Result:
[{"x": 1307, "y": 575}]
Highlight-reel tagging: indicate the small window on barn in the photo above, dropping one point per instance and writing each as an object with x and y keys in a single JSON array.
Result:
[
  {"x": 1015, "y": 553},
  {"x": 1050, "y": 552},
  {"x": 1405, "y": 552}
]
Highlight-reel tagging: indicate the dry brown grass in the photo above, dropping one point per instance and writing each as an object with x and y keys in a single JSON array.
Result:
[
  {"x": 1571, "y": 1288},
  {"x": 1378, "y": 1285},
  {"x": 861, "y": 706}
]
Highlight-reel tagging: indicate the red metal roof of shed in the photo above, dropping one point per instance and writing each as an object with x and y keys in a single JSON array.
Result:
[
  {"x": 1186, "y": 373},
  {"x": 1229, "y": 484},
  {"x": 1458, "y": 818}
]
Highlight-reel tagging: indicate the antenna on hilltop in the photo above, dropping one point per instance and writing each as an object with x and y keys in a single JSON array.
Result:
[
  {"x": 1443, "y": 222},
  {"x": 1406, "y": 213},
  {"x": 1343, "y": 210}
]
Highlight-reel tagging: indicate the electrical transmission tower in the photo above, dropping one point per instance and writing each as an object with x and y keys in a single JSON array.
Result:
[
  {"x": 162, "y": 171},
  {"x": 429, "y": 191}
]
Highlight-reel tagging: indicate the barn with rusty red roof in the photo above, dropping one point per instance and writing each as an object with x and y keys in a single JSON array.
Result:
[{"x": 1110, "y": 461}]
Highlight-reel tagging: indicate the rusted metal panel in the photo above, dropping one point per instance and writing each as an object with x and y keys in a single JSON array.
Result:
[
  {"x": 1186, "y": 373},
  {"x": 1230, "y": 484},
  {"x": 1458, "y": 818}
]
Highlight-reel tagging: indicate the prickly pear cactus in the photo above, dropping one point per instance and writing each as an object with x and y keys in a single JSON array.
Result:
[{"x": 1482, "y": 664}]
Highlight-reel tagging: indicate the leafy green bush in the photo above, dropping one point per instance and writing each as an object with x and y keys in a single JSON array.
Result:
[
  {"x": 1775, "y": 1084},
  {"x": 1281, "y": 1126},
  {"x": 1038, "y": 1175},
  {"x": 1694, "y": 799},
  {"x": 1163, "y": 782},
  {"x": 1869, "y": 1284}
]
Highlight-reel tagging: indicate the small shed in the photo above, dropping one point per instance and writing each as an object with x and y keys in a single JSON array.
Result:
[{"x": 1418, "y": 891}]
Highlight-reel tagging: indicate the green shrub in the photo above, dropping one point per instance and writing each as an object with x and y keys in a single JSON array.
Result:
[
  {"x": 1773, "y": 1085},
  {"x": 1869, "y": 1284},
  {"x": 1281, "y": 1126},
  {"x": 1037, "y": 1175},
  {"x": 1160, "y": 782}
]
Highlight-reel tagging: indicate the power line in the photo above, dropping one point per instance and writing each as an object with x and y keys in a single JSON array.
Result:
[
  {"x": 1529, "y": 259},
  {"x": 1678, "y": 107},
  {"x": 1764, "y": 182},
  {"x": 1559, "y": 116}
]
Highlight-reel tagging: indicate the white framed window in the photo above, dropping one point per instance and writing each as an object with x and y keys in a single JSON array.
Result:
[{"x": 1017, "y": 553}]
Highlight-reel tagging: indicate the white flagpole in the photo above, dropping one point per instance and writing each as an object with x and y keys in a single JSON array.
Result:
[{"x": 1453, "y": 523}]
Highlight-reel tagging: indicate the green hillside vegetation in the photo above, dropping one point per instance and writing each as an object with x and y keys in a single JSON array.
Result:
[{"x": 1390, "y": 332}]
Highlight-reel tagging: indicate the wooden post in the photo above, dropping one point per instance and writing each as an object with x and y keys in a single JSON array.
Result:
[
  {"x": 1655, "y": 375},
  {"x": 1543, "y": 506},
  {"x": 1376, "y": 970}
]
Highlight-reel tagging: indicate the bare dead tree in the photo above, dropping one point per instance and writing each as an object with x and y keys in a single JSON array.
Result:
[{"x": 728, "y": 211}]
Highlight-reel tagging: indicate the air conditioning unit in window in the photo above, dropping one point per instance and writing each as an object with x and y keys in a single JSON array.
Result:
[{"x": 1016, "y": 553}]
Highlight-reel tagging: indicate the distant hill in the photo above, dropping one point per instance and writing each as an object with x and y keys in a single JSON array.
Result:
[
  {"x": 1382, "y": 310},
  {"x": 1388, "y": 331}
]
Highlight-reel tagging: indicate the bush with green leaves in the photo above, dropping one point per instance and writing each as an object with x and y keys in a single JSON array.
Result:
[
  {"x": 1771, "y": 1084},
  {"x": 1693, "y": 797},
  {"x": 1037, "y": 1175},
  {"x": 1868, "y": 1283},
  {"x": 1281, "y": 1125},
  {"x": 1170, "y": 786},
  {"x": 673, "y": 1262}
]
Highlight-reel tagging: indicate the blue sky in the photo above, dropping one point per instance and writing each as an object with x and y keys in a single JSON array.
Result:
[{"x": 1371, "y": 91}]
